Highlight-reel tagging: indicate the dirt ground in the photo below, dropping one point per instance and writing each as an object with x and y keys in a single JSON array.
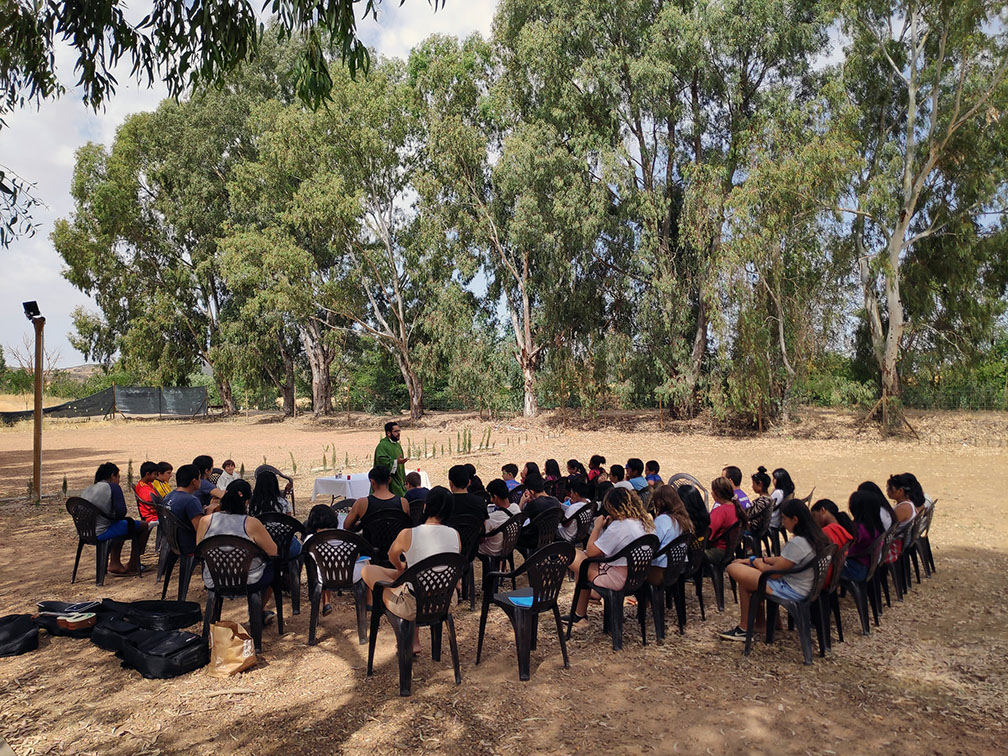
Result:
[{"x": 930, "y": 680}]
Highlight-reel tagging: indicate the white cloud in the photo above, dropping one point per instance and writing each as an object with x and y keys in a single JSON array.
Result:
[{"x": 40, "y": 145}]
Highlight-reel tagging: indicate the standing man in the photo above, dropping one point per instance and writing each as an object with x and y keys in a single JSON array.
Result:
[{"x": 389, "y": 453}]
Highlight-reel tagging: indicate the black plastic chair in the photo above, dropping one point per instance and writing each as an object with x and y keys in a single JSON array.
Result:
[
  {"x": 694, "y": 569},
  {"x": 85, "y": 517},
  {"x": 469, "y": 528},
  {"x": 676, "y": 553},
  {"x": 800, "y": 611},
  {"x": 887, "y": 568},
  {"x": 758, "y": 531},
  {"x": 585, "y": 521},
  {"x": 828, "y": 602},
  {"x": 228, "y": 559},
  {"x": 330, "y": 557},
  {"x": 170, "y": 524},
  {"x": 433, "y": 580},
  {"x": 283, "y": 529},
  {"x": 214, "y": 475},
  {"x": 865, "y": 592},
  {"x": 416, "y": 508},
  {"x": 381, "y": 529},
  {"x": 545, "y": 569},
  {"x": 638, "y": 555},
  {"x": 680, "y": 480},
  {"x": 910, "y": 552},
  {"x": 924, "y": 540},
  {"x": 542, "y": 530},
  {"x": 716, "y": 570},
  {"x": 510, "y": 529}
]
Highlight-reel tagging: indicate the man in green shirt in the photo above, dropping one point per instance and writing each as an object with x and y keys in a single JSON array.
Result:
[{"x": 389, "y": 453}]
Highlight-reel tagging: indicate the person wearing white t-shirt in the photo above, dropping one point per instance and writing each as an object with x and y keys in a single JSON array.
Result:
[
  {"x": 617, "y": 475},
  {"x": 625, "y": 520},
  {"x": 578, "y": 500},
  {"x": 671, "y": 520},
  {"x": 501, "y": 510}
]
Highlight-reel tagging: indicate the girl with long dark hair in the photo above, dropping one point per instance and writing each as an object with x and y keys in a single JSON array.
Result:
[
  {"x": 723, "y": 517},
  {"x": 671, "y": 520},
  {"x": 806, "y": 544}
]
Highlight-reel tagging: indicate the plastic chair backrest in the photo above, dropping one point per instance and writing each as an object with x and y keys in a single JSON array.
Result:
[
  {"x": 433, "y": 580},
  {"x": 282, "y": 529},
  {"x": 510, "y": 529},
  {"x": 229, "y": 559},
  {"x": 382, "y": 528},
  {"x": 685, "y": 479},
  {"x": 638, "y": 554},
  {"x": 839, "y": 557},
  {"x": 470, "y": 529},
  {"x": 821, "y": 569},
  {"x": 333, "y": 554},
  {"x": 878, "y": 550},
  {"x": 676, "y": 553},
  {"x": 169, "y": 524},
  {"x": 585, "y": 519},
  {"x": 214, "y": 475},
  {"x": 85, "y": 518},
  {"x": 546, "y": 570},
  {"x": 544, "y": 525}
]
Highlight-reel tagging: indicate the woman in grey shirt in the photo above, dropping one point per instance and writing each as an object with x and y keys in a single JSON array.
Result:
[{"x": 808, "y": 542}]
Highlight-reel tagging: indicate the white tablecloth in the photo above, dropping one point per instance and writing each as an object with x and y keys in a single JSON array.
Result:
[{"x": 352, "y": 485}]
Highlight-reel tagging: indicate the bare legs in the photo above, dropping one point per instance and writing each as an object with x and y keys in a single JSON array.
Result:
[
  {"x": 137, "y": 546},
  {"x": 372, "y": 574},
  {"x": 585, "y": 594},
  {"x": 747, "y": 578}
]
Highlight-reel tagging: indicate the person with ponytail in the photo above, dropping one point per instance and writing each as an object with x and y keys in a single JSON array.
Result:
[
  {"x": 899, "y": 488},
  {"x": 807, "y": 542},
  {"x": 784, "y": 489},
  {"x": 865, "y": 509},
  {"x": 671, "y": 520},
  {"x": 232, "y": 520},
  {"x": 761, "y": 488},
  {"x": 723, "y": 516},
  {"x": 886, "y": 514},
  {"x": 624, "y": 520}
]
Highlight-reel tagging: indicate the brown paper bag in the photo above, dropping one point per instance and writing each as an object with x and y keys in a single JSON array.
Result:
[{"x": 231, "y": 649}]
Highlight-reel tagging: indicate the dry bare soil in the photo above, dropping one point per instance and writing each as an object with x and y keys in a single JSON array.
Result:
[{"x": 930, "y": 679}]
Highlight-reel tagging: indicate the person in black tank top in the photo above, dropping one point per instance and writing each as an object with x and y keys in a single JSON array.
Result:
[{"x": 381, "y": 499}]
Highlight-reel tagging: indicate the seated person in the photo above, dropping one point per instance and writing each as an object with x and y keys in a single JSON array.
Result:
[
  {"x": 635, "y": 474},
  {"x": 208, "y": 492},
  {"x": 692, "y": 499},
  {"x": 726, "y": 512},
  {"x": 112, "y": 522},
  {"x": 414, "y": 491},
  {"x": 229, "y": 475},
  {"x": 323, "y": 517},
  {"x": 651, "y": 469},
  {"x": 534, "y": 503},
  {"x": 616, "y": 477},
  {"x": 761, "y": 488},
  {"x": 898, "y": 488},
  {"x": 509, "y": 473},
  {"x": 595, "y": 467},
  {"x": 502, "y": 510},
  {"x": 835, "y": 525},
  {"x": 267, "y": 497},
  {"x": 412, "y": 546},
  {"x": 232, "y": 520},
  {"x": 465, "y": 503},
  {"x": 381, "y": 499},
  {"x": 671, "y": 520},
  {"x": 144, "y": 491},
  {"x": 475, "y": 483},
  {"x": 578, "y": 500},
  {"x": 184, "y": 504},
  {"x": 624, "y": 521},
  {"x": 734, "y": 474},
  {"x": 806, "y": 543},
  {"x": 576, "y": 470},
  {"x": 865, "y": 512},
  {"x": 162, "y": 479}
]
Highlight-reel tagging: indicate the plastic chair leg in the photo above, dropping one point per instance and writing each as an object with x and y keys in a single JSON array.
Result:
[
  {"x": 256, "y": 619},
  {"x": 560, "y": 635},
  {"x": 485, "y": 608},
  {"x": 679, "y": 597},
  {"x": 453, "y": 645},
  {"x": 435, "y": 631},
  {"x": 657, "y": 596},
  {"x": 360, "y": 606},
  {"x": 523, "y": 641},
  {"x": 534, "y": 632},
  {"x": 80, "y": 548},
  {"x": 315, "y": 598},
  {"x": 835, "y": 607},
  {"x": 208, "y": 613},
  {"x": 698, "y": 583},
  {"x": 616, "y": 621},
  {"x": 170, "y": 558},
  {"x": 376, "y": 613},
  {"x": 294, "y": 583},
  {"x": 754, "y": 600},
  {"x": 717, "y": 581},
  {"x": 803, "y": 623},
  {"x": 186, "y": 565},
  {"x": 278, "y": 600},
  {"x": 101, "y": 561},
  {"x": 642, "y": 605},
  {"x": 404, "y": 648}
]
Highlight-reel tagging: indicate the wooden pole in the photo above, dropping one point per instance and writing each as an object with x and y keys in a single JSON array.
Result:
[{"x": 39, "y": 324}]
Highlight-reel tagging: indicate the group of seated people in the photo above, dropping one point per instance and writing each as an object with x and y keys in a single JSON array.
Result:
[{"x": 634, "y": 500}]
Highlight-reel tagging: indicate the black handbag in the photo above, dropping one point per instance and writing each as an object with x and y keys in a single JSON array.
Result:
[{"x": 18, "y": 634}]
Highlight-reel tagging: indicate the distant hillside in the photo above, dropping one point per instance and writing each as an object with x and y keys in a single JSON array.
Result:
[{"x": 81, "y": 372}]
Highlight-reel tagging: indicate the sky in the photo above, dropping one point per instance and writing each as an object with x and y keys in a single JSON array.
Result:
[{"x": 40, "y": 144}]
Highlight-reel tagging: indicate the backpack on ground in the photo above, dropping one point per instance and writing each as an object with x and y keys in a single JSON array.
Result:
[
  {"x": 160, "y": 654},
  {"x": 111, "y": 633},
  {"x": 18, "y": 634}
]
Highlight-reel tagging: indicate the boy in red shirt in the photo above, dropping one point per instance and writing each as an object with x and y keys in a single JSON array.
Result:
[{"x": 144, "y": 490}]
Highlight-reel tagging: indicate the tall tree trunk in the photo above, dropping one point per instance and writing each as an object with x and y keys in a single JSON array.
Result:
[
  {"x": 529, "y": 380},
  {"x": 319, "y": 360},
  {"x": 226, "y": 394},
  {"x": 287, "y": 389},
  {"x": 414, "y": 386}
]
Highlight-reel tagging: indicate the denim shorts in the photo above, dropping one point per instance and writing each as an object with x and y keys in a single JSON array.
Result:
[{"x": 783, "y": 590}]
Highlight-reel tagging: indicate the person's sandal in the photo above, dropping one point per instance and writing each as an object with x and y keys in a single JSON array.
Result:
[
  {"x": 268, "y": 616},
  {"x": 327, "y": 610},
  {"x": 573, "y": 618}
]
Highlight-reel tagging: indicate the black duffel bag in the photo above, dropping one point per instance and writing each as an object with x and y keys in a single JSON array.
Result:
[
  {"x": 156, "y": 615},
  {"x": 160, "y": 654},
  {"x": 18, "y": 634},
  {"x": 111, "y": 633}
]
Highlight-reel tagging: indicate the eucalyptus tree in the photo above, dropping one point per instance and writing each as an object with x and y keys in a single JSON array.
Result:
[{"x": 927, "y": 86}]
